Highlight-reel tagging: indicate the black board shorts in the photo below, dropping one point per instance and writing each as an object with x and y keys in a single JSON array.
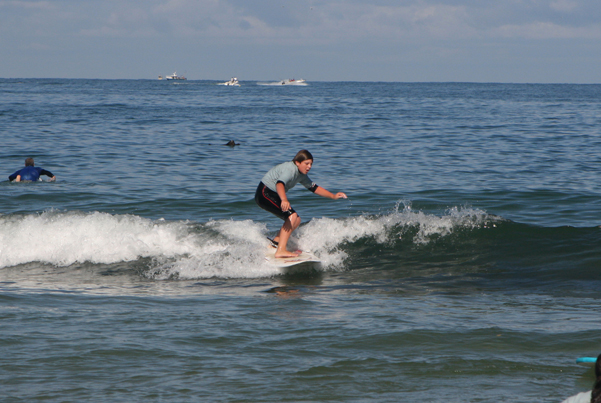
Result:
[{"x": 269, "y": 200}]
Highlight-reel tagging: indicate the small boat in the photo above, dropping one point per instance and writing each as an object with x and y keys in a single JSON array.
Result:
[
  {"x": 292, "y": 81},
  {"x": 233, "y": 81},
  {"x": 174, "y": 76}
]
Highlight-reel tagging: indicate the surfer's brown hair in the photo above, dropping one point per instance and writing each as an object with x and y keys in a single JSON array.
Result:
[
  {"x": 302, "y": 155},
  {"x": 29, "y": 162}
]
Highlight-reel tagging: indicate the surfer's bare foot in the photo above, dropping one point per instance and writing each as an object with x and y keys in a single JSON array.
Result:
[{"x": 287, "y": 253}]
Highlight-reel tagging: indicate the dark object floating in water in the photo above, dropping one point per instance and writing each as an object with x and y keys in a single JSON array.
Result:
[{"x": 231, "y": 143}]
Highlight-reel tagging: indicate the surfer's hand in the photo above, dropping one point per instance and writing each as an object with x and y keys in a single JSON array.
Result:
[
  {"x": 339, "y": 195},
  {"x": 285, "y": 205}
]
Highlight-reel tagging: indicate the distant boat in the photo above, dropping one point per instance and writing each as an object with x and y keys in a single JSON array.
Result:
[
  {"x": 233, "y": 81},
  {"x": 292, "y": 81},
  {"x": 174, "y": 76}
]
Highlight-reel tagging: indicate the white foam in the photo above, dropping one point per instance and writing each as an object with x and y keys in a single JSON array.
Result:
[
  {"x": 238, "y": 252},
  {"x": 326, "y": 234},
  {"x": 224, "y": 248},
  {"x": 65, "y": 238},
  {"x": 279, "y": 83},
  {"x": 432, "y": 226}
]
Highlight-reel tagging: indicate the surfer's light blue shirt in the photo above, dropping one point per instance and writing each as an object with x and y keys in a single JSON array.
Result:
[{"x": 288, "y": 174}]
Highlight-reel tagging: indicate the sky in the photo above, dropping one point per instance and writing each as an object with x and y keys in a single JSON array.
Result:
[{"x": 507, "y": 41}]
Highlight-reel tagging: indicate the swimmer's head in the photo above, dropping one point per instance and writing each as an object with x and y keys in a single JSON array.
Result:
[
  {"x": 29, "y": 162},
  {"x": 303, "y": 161},
  {"x": 302, "y": 155}
]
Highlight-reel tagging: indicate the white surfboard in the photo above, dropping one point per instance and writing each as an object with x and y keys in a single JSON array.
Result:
[{"x": 304, "y": 259}]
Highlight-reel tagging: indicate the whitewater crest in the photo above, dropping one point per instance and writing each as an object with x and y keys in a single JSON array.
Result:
[
  {"x": 220, "y": 248},
  {"x": 388, "y": 228},
  {"x": 429, "y": 226},
  {"x": 65, "y": 238}
]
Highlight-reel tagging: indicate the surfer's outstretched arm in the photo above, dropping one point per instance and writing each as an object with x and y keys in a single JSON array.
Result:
[{"x": 326, "y": 193}]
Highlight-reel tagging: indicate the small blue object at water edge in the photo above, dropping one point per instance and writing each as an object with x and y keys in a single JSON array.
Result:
[{"x": 586, "y": 361}]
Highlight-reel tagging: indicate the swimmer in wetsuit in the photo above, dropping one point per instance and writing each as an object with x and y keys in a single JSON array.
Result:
[
  {"x": 271, "y": 195},
  {"x": 30, "y": 173}
]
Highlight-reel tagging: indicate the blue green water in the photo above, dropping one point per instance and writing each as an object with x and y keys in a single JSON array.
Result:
[{"x": 465, "y": 265}]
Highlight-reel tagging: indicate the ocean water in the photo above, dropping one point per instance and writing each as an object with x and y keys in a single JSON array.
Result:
[{"x": 465, "y": 266}]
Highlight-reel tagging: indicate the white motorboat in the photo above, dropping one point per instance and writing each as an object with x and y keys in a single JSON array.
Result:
[
  {"x": 233, "y": 81},
  {"x": 292, "y": 81},
  {"x": 174, "y": 76}
]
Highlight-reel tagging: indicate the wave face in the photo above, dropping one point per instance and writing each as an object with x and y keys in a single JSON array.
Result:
[
  {"x": 216, "y": 248},
  {"x": 462, "y": 242}
]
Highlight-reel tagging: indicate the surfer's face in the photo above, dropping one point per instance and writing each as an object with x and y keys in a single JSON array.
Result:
[{"x": 305, "y": 166}]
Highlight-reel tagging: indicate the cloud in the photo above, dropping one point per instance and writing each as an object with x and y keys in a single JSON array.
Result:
[
  {"x": 564, "y": 5},
  {"x": 335, "y": 21},
  {"x": 318, "y": 22},
  {"x": 546, "y": 30},
  {"x": 316, "y": 33},
  {"x": 30, "y": 5}
]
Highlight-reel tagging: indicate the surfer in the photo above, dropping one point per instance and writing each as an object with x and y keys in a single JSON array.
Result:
[
  {"x": 30, "y": 173},
  {"x": 271, "y": 195},
  {"x": 593, "y": 396}
]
